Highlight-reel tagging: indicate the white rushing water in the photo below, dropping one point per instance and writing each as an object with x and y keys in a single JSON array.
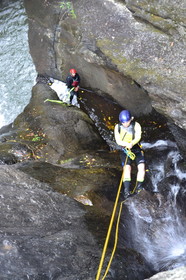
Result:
[
  {"x": 163, "y": 245},
  {"x": 17, "y": 72},
  {"x": 158, "y": 224}
]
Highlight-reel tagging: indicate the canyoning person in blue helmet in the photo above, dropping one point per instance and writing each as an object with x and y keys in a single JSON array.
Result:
[
  {"x": 127, "y": 134},
  {"x": 72, "y": 82}
]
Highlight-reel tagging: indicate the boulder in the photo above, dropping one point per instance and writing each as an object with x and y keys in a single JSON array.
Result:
[
  {"x": 40, "y": 236},
  {"x": 49, "y": 131},
  {"x": 175, "y": 274}
]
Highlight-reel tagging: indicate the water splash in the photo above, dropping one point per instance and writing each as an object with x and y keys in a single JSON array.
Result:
[
  {"x": 160, "y": 236},
  {"x": 174, "y": 190},
  {"x": 157, "y": 175}
]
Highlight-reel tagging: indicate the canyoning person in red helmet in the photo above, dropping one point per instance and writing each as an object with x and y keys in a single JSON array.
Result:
[
  {"x": 72, "y": 82},
  {"x": 127, "y": 134}
]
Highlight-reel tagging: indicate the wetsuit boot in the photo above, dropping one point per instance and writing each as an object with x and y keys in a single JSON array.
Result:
[
  {"x": 126, "y": 189},
  {"x": 71, "y": 97},
  {"x": 139, "y": 187}
]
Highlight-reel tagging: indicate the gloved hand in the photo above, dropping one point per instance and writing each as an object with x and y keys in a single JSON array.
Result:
[
  {"x": 76, "y": 88},
  {"x": 130, "y": 154}
]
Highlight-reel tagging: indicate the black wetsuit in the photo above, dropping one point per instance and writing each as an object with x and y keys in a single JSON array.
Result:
[{"x": 73, "y": 82}]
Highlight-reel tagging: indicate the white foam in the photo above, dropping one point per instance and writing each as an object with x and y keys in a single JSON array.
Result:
[
  {"x": 63, "y": 93},
  {"x": 159, "y": 143}
]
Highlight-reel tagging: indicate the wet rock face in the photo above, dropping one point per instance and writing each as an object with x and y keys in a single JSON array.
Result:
[
  {"x": 135, "y": 52},
  {"x": 175, "y": 274},
  {"x": 47, "y": 235},
  {"x": 47, "y": 131},
  {"x": 40, "y": 236}
]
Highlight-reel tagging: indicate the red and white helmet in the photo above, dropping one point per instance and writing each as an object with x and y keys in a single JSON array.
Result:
[{"x": 73, "y": 71}]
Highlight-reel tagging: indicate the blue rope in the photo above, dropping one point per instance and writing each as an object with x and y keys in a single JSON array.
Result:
[{"x": 130, "y": 154}]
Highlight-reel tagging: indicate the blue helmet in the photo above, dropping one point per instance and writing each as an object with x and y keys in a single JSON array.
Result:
[{"x": 124, "y": 116}]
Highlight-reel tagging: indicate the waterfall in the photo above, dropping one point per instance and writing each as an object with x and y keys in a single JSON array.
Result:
[
  {"x": 161, "y": 240},
  {"x": 17, "y": 72},
  {"x": 155, "y": 225}
]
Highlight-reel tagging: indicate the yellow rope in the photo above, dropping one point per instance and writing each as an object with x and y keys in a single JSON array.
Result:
[
  {"x": 130, "y": 154},
  {"x": 109, "y": 230},
  {"x": 116, "y": 240},
  {"x": 134, "y": 189},
  {"x": 110, "y": 227}
]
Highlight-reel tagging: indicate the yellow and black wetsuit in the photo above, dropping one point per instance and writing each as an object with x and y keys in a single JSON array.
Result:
[{"x": 131, "y": 134}]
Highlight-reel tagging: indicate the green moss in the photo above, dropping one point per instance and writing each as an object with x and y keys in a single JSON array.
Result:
[
  {"x": 130, "y": 67},
  {"x": 65, "y": 161},
  {"x": 156, "y": 18},
  {"x": 69, "y": 7}
]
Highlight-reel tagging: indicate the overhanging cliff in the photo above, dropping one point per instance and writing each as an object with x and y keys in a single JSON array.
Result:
[{"x": 132, "y": 51}]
